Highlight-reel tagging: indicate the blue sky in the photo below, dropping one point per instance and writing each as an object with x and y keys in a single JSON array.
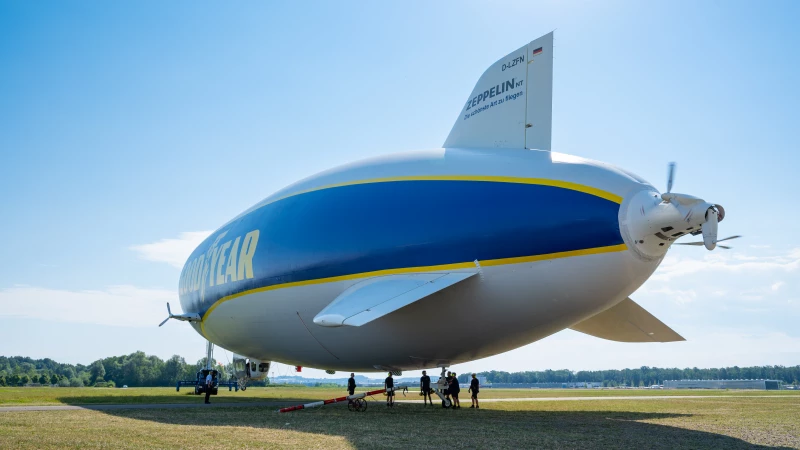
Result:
[{"x": 128, "y": 130}]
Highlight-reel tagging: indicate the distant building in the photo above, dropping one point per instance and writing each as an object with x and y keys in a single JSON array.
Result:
[{"x": 723, "y": 384}]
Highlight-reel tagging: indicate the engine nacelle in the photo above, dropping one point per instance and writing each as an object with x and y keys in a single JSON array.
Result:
[{"x": 249, "y": 369}]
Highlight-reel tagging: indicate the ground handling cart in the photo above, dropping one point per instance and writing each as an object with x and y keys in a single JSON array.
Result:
[{"x": 200, "y": 383}]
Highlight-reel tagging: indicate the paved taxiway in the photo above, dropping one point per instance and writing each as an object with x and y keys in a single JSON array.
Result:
[{"x": 109, "y": 407}]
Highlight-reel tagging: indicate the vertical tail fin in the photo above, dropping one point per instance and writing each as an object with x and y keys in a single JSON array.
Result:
[{"x": 511, "y": 106}]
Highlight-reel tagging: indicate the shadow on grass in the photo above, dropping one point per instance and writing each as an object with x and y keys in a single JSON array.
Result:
[
  {"x": 414, "y": 426},
  {"x": 177, "y": 398}
]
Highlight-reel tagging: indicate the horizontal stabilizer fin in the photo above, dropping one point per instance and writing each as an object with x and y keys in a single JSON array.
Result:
[
  {"x": 627, "y": 322},
  {"x": 376, "y": 297}
]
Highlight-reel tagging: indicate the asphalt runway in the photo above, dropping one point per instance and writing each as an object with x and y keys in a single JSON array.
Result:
[{"x": 110, "y": 407}]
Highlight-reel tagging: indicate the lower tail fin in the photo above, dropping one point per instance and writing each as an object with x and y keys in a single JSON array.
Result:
[{"x": 627, "y": 322}]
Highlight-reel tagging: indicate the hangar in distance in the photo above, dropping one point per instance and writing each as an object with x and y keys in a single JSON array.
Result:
[{"x": 432, "y": 258}]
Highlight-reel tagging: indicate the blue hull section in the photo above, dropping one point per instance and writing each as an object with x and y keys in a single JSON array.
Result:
[{"x": 362, "y": 228}]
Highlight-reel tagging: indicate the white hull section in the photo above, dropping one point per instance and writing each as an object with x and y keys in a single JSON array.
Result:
[{"x": 504, "y": 308}]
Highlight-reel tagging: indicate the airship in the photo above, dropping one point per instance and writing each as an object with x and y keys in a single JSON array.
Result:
[{"x": 432, "y": 258}]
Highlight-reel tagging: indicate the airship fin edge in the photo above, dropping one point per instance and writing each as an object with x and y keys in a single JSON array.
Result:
[
  {"x": 627, "y": 322},
  {"x": 511, "y": 105},
  {"x": 376, "y": 297}
]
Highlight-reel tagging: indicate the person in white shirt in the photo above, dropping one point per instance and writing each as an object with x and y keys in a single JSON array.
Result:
[{"x": 209, "y": 384}]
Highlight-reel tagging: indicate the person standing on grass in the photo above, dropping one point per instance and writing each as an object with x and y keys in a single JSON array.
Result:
[
  {"x": 454, "y": 390},
  {"x": 351, "y": 386},
  {"x": 474, "y": 387},
  {"x": 425, "y": 387},
  {"x": 388, "y": 384},
  {"x": 448, "y": 390},
  {"x": 209, "y": 383}
]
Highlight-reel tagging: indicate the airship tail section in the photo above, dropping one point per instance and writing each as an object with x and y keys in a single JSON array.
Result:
[
  {"x": 511, "y": 106},
  {"x": 627, "y": 322}
]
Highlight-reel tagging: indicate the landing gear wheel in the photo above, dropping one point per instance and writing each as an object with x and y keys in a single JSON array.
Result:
[
  {"x": 357, "y": 405},
  {"x": 446, "y": 403},
  {"x": 244, "y": 388}
]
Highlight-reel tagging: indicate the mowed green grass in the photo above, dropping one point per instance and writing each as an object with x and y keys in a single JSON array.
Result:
[
  {"x": 720, "y": 422},
  {"x": 730, "y": 419},
  {"x": 89, "y": 396}
]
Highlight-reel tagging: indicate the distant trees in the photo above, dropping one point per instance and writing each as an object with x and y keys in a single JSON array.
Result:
[
  {"x": 97, "y": 372},
  {"x": 644, "y": 376},
  {"x": 139, "y": 369}
]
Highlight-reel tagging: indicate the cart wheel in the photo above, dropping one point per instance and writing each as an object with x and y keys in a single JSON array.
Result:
[
  {"x": 244, "y": 387},
  {"x": 361, "y": 405}
]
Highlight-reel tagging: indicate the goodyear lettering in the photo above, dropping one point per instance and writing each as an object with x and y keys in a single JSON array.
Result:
[
  {"x": 221, "y": 263},
  {"x": 247, "y": 253},
  {"x": 230, "y": 268},
  {"x": 514, "y": 62},
  {"x": 492, "y": 92}
]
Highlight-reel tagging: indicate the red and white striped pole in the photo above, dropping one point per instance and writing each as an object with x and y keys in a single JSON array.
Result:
[{"x": 339, "y": 399}]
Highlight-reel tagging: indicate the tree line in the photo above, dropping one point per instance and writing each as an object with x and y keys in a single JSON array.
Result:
[
  {"x": 138, "y": 369},
  {"x": 644, "y": 376}
]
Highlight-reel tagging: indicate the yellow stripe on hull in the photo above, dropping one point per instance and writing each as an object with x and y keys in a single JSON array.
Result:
[{"x": 454, "y": 266}]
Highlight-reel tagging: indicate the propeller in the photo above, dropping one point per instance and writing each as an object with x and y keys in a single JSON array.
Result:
[
  {"x": 670, "y": 176},
  {"x": 168, "y": 317},
  {"x": 188, "y": 317},
  {"x": 715, "y": 242}
]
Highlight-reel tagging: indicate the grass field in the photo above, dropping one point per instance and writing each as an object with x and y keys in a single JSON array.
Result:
[
  {"x": 731, "y": 419},
  {"x": 89, "y": 396}
]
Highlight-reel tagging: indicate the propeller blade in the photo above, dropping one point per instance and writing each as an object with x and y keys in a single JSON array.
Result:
[
  {"x": 165, "y": 321},
  {"x": 670, "y": 176},
  {"x": 724, "y": 246},
  {"x": 168, "y": 310},
  {"x": 729, "y": 238},
  {"x": 690, "y": 243}
]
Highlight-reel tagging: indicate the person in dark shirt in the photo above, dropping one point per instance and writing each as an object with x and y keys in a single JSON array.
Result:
[
  {"x": 425, "y": 388},
  {"x": 351, "y": 386},
  {"x": 454, "y": 390},
  {"x": 388, "y": 383},
  {"x": 474, "y": 387}
]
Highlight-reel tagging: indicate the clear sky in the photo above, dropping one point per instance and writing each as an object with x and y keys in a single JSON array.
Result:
[{"x": 129, "y": 130}]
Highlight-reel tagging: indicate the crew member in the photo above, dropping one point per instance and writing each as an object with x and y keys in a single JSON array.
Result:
[
  {"x": 388, "y": 384},
  {"x": 454, "y": 390},
  {"x": 474, "y": 387},
  {"x": 447, "y": 390},
  {"x": 425, "y": 388},
  {"x": 351, "y": 386},
  {"x": 209, "y": 384}
]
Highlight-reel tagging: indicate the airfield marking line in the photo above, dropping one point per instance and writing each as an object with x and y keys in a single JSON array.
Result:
[{"x": 107, "y": 407}]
